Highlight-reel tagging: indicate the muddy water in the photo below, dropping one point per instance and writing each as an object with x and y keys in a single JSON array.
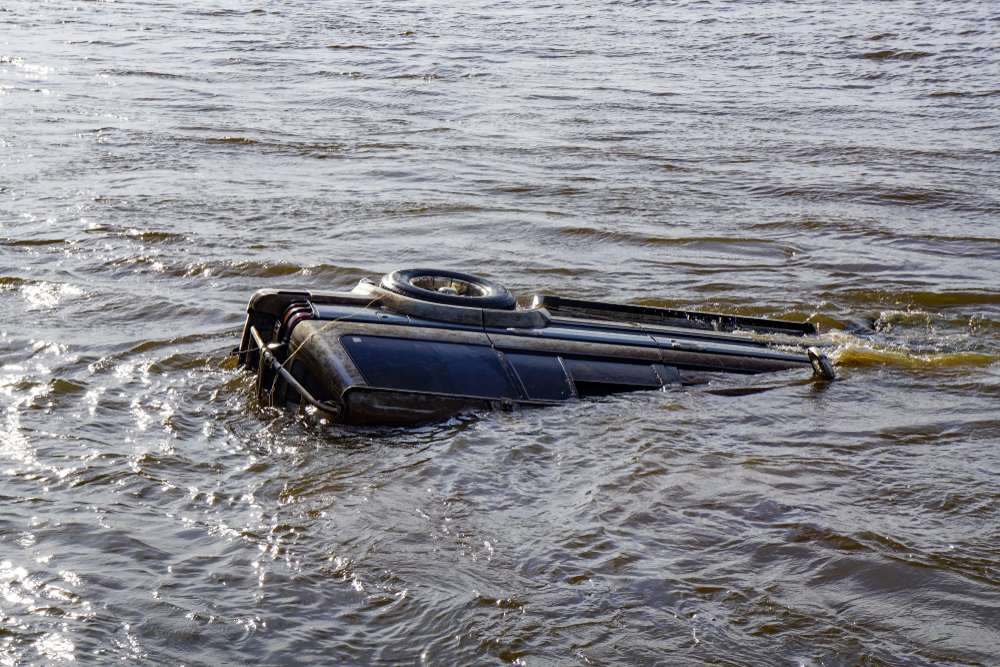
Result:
[{"x": 836, "y": 162}]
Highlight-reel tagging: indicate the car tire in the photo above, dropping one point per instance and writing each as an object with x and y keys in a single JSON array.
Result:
[{"x": 451, "y": 288}]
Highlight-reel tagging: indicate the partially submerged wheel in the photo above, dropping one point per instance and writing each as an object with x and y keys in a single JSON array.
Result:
[{"x": 449, "y": 287}]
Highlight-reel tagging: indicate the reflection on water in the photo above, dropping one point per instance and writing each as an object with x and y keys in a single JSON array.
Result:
[
  {"x": 42, "y": 608},
  {"x": 831, "y": 163}
]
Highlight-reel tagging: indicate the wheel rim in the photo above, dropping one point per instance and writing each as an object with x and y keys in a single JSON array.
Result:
[{"x": 449, "y": 286}]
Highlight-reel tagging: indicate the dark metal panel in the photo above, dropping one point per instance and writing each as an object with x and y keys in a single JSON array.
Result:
[
  {"x": 627, "y": 335},
  {"x": 528, "y": 343},
  {"x": 430, "y": 366},
  {"x": 668, "y": 374},
  {"x": 318, "y": 341},
  {"x": 317, "y": 344},
  {"x": 613, "y": 372},
  {"x": 302, "y": 372},
  {"x": 703, "y": 361},
  {"x": 688, "y": 319},
  {"x": 386, "y": 406},
  {"x": 442, "y": 325},
  {"x": 742, "y": 349},
  {"x": 334, "y": 329},
  {"x": 542, "y": 376},
  {"x": 350, "y": 313}
]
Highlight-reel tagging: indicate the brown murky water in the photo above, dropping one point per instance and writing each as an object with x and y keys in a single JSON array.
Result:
[{"x": 832, "y": 161}]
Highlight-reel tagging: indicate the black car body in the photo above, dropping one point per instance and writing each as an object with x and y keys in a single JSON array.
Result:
[{"x": 426, "y": 344}]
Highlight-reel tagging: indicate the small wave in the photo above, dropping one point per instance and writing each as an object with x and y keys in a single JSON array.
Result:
[
  {"x": 34, "y": 242},
  {"x": 863, "y": 355},
  {"x": 873, "y": 193},
  {"x": 232, "y": 13},
  {"x": 158, "y": 75},
  {"x": 13, "y": 282},
  {"x": 231, "y": 140},
  {"x": 853, "y": 350},
  {"x": 150, "y": 236},
  {"x": 302, "y": 149},
  {"x": 47, "y": 295},
  {"x": 699, "y": 246},
  {"x": 895, "y": 55},
  {"x": 948, "y": 299}
]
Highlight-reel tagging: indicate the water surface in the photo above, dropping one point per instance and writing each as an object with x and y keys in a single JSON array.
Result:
[{"x": 831, "y": 162}]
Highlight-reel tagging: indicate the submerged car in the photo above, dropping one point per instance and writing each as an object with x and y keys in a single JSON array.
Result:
[{"x": 425, "y": 344}]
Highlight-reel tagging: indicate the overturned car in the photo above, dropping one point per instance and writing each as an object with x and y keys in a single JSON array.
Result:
[{"x": 424, "y": 344}]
